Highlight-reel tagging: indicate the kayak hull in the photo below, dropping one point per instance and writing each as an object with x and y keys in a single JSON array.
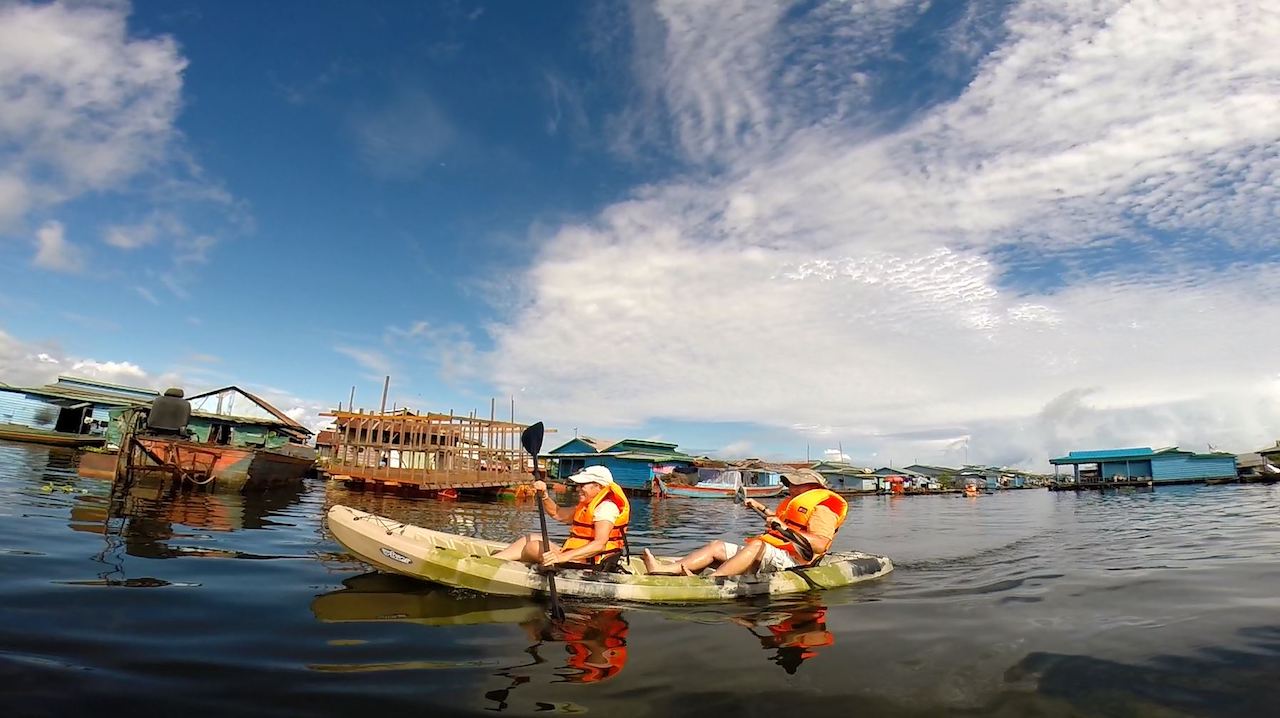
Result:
[{"x": 462, "y": 562}]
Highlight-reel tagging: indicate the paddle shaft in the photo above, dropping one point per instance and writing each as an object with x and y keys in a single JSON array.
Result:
[
  {"x": 806, "y": 549},
  {"x": 531, "y": 439}
]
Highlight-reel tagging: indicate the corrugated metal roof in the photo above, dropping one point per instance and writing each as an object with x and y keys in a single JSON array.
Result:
[
  {"x": 54, "y": 391},
  {"x": 284, "y": 418}
]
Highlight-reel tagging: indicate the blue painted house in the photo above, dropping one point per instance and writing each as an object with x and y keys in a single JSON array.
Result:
[
  {"x": 72, "y": 410},
  {"x": 633, "y": 462},
  {"x": 1167, "y": 466}
]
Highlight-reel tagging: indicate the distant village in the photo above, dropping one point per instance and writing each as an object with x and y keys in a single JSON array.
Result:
[{"x": 237, "y": 439}]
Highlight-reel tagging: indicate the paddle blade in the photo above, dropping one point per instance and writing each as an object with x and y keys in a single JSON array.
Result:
[{"x": 531, "y": 438}]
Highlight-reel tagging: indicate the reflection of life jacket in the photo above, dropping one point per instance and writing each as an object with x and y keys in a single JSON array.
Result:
[
  {"x": 597, "y": 646},
  {"x": 795, "y": 512},
  {"x": 583, "y": 529},
  {"x": 805, "y": 630}
]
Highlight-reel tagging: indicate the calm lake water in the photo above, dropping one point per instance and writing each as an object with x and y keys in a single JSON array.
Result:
[{"x": 1126, "y": 603}]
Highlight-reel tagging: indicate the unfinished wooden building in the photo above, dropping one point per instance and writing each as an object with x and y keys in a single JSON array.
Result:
[{"x": 428, "y": 451}]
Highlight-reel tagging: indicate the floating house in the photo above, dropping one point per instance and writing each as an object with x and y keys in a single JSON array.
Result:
[
  {"x": 72, "y": 411},
  {"x": 847, "y": 477},
  {"x": 888, "y": 475},
  {"x": 633, "y": 462},
  {"x": 1144, "y": 466}
]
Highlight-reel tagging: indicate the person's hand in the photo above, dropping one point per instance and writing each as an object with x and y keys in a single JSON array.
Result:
[
  {"x": 540, "y": 486},
  {"x": 775, "y": 523},
  {"x": 550, "y": 558}
]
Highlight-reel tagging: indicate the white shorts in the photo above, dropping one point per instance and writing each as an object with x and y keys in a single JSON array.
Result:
[{"x": 773, "y": 558}]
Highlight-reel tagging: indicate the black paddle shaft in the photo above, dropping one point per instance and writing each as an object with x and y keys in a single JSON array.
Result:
[
  {"x": 531, "y": 440},
  {"x": 806, "y": 549}
]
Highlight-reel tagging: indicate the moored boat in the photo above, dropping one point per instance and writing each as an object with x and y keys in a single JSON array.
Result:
[
  {"x": 49, "y": 437},
  {"x": 462, "y": 562},
  {"x": 701, "y": 491}
]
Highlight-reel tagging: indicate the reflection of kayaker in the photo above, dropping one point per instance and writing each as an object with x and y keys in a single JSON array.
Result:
[
  {"x": 795, "y": 633},
  {"x": 596, "y": 643}
]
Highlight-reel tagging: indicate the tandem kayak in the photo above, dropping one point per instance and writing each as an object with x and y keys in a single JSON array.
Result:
[{"x": 462, "y": 562}]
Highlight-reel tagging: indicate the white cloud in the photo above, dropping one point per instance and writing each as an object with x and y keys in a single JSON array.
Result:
[
  {"x": 853, "y": 282},
  {"x": 401, "y": 139},
  {"x": 86, "y": 107},
  {"x": 53, "y": 251},
  {"x": 147, "y": 294},
  {"x": 146, "y": 232},
  {"x": 375, "y": 362}
]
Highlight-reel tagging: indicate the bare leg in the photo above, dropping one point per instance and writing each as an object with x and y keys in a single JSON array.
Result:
[
  {"x": 526, "y": 548},
  {"x": 745, "y": 560},
  {"x": 713, "y": 552}
]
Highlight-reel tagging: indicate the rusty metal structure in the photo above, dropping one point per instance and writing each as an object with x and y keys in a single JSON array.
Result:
[{"x": 427, "y": 451}]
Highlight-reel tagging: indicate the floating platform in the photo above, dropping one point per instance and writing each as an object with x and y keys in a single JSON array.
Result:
[{"x": 1099, "y": 485}]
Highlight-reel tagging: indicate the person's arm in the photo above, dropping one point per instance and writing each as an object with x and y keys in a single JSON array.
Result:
[
  {"x": 599, "y": 538},
  {"x": 563, "y": 514},
  {"x": 821, "y": 530}
]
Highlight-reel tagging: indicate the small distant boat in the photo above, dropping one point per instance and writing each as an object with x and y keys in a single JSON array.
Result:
[
  {"x": 31, "y": 435},
  {"x": 725, "y": 486}
]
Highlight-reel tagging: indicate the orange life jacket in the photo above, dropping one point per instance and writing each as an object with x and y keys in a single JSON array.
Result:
[
  {"x": 795, "y": 511},
  {"x": 583, "y": 529},
  {"x": 597, "y": 647}
]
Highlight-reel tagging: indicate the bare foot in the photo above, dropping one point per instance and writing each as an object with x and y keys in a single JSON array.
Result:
[{"x": 654, "y": 567}]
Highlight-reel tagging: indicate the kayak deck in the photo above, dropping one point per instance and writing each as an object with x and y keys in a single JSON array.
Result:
[{"x": 462, "y": 562}]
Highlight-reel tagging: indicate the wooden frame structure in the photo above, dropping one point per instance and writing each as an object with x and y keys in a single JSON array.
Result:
[{"x": 428, "y": 451}]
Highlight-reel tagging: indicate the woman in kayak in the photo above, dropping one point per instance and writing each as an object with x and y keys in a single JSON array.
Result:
[
  {"x": 596, "y": 524},
  {"x": 810, "y": 510}
]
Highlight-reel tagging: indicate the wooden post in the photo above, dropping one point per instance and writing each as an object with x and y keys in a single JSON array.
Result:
[{"x": 386, "y": 384}]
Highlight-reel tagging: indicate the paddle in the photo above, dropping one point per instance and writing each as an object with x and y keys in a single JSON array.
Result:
[
  {"x": 531, "y": 440},
  {"x": 802, "y": 543}
]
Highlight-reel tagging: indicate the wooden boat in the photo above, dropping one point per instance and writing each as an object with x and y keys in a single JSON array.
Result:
[
  {"x": 230, "y": 467},
  {"x": 18, "y": 432},
  {"x": 1222, "y": 480},
  {"x": 462, "y": 562}
]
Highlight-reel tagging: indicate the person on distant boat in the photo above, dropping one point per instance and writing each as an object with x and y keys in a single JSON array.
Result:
[
  {"x": 597, "y": 525},
  {"x": 810, "y": 510}
]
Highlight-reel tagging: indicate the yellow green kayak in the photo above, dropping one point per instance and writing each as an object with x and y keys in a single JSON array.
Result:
[{"x": 463, "y": 562}]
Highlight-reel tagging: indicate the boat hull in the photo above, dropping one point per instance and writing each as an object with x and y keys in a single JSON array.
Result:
[
  {"x": 705, "y": 492},
  {"x": 462, "y": 562},
  {"x": 17, "y": 432},
  {"x": 230, "y": 467}
]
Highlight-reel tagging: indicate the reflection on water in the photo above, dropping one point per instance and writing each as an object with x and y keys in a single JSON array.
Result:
[
  {"x": 1019, "y": 603},
  {"x": 588, "y": 646}
]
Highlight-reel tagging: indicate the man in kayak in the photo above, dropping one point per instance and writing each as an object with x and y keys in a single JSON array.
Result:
[
  {"x": 810, "y": 510},
  {"x": 596, "y": 524}
]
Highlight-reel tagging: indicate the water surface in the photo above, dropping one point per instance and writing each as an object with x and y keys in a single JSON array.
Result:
[{"x": 1128, "y": 603}]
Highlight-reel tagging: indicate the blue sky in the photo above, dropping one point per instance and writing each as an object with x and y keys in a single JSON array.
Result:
[{"x": 907, "y": 231}]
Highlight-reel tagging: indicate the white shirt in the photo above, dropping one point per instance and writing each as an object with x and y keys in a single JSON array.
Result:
[{"x": 606, "y": 511}]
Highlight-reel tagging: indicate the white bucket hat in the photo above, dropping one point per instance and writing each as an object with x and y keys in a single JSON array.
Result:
[{"x": 593, "y": 475}]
